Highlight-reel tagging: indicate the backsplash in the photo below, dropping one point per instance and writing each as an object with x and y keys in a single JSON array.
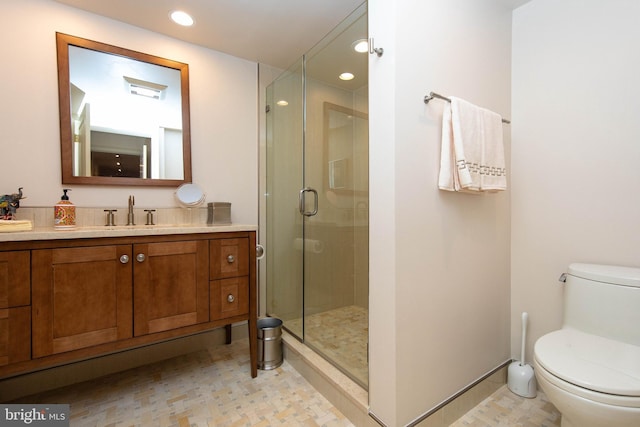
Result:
[{"x": 42, "y": 217}]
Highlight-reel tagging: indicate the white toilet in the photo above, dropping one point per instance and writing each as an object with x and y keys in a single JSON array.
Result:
[{"x": 590, "y": 369}]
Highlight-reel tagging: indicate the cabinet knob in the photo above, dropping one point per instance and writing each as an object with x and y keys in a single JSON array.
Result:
[
  {"x": 230, "y": 298},
  {"x": 140, "y": 257},
  {"x": 230, "y": 259},
  {"x": 124, "y": 259}
]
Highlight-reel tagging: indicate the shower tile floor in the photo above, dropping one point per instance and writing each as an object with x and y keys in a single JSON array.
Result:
[
  {"x": 341, "y": 335},
  {"x": 213, "y": 388}
]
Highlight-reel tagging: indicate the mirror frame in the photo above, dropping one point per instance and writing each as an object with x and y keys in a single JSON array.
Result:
[{"x": 63, "y": 41}]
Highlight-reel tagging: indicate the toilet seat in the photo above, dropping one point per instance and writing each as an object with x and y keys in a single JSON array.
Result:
[
  {"x": 601, "y": 366},
  {"x": 568, "y": 390}
]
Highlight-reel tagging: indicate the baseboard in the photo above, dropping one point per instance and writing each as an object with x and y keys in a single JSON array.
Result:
[{"x": 466, "y": 399}]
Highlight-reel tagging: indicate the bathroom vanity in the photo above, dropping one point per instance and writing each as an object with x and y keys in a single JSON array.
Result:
[{"x": 67, "y": 296}]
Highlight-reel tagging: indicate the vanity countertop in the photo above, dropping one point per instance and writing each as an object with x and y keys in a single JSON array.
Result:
[{"x": 50, "y": 233}]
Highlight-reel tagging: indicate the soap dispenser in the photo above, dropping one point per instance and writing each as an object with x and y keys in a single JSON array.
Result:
[{"x": 65, "y": 212}]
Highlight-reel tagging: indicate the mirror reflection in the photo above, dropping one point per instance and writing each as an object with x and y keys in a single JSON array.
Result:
[
  {"x": 346, "y": 149},
  {"x": 124, "y": 116}
]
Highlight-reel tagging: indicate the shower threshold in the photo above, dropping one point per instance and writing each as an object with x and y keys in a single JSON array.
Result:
[
  {"x": 340, "y": 336},
  {"x": 345, "y": 394}
]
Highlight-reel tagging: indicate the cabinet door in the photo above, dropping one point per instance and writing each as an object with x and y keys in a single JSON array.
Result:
[
  {"x": 15, "y": 279},
  {"x": 171, "y": 285},
  {"x": 81, "y": 297},
  {"x": 229, "y": 297},
  {"x": 15, "y": 334},
  {"x": 229, "y": 258}
]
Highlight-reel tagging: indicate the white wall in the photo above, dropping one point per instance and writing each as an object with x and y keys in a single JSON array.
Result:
[
  {"x": 439, "y": 262},
  {"x": 383, "y": 382},
  {"x": 576, "y": 148},
  {"x": 224, "y": 124}
]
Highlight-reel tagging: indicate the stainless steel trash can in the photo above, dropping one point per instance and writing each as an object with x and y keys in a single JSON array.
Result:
[{"x": 269, "y": 343}]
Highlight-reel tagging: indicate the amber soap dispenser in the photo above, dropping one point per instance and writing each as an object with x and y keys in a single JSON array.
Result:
[{"x": 64, "y": 212}]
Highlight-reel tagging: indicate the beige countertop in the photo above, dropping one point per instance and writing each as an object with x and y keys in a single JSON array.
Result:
[{"x": 50, "y": 233}]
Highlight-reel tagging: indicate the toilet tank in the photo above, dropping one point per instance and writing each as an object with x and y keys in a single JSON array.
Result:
[{"x": 603, "y": 300}]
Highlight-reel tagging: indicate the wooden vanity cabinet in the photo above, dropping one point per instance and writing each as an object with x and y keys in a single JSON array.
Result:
[
  {"x": 68, "y": 300},
  {"x": 233, "y": 289},
  {"x": 15, "y": 307}
]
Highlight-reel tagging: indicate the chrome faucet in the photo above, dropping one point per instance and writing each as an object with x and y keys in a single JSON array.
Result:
[{"x": 130, "y": 218}]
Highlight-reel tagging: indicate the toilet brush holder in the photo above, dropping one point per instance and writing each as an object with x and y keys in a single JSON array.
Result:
[{"x": 521, "y": 379}]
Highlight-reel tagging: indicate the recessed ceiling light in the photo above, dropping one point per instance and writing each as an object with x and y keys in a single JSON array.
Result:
[
  {"x": 181, "y": 18},
  {"x": 346, "y": 76},
  {"x": 361, "y": 46},
  {"x": 282, "y": 103}
]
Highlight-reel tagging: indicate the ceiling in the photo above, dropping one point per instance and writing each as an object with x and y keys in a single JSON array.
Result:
[{"x": 273, "y": 32}]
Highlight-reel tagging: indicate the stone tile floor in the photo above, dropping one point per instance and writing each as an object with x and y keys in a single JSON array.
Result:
[
  {"x": 206, "y": 388},
  {"x": 505, "y": 409},
  {"x": 214, "y": 388}
]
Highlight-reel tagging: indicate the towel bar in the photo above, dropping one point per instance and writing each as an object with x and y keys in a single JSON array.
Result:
[{"x": 433, "y": 95}]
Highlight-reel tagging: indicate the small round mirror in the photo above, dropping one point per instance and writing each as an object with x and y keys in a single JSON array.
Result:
[{"x": 190, "y": 195}]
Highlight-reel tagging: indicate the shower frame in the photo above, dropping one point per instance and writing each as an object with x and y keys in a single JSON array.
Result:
[{"x": 328, "y": 185}]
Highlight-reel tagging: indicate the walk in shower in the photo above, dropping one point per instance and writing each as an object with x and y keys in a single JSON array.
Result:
[{"x": 317, "y": 198}]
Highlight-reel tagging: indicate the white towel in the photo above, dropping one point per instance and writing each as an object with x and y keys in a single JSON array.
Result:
[{"x": 472, "y": 152}]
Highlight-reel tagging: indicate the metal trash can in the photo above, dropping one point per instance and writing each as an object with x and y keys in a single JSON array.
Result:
[{"x": 269, "y": 343}]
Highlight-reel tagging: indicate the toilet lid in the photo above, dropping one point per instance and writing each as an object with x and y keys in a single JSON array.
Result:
[{"x": 591, "y": 361}]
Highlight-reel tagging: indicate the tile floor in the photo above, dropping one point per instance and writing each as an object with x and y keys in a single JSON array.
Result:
[
  {"x": 505, "y": 409},
  {"x": 213, "y": 388},
  {"x": 341, "y": 335},
  {"x": 207, "y": 388}
]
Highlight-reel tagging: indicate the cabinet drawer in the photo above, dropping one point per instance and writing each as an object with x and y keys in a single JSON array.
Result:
[
  {"x": 229, "y": 297},
  {"x": 15, "y": 331},
  {"x": 229, "y": 258},
  {"x": 15, "y": 279}
]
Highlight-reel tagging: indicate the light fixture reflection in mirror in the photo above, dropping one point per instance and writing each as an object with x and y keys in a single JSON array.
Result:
[{"x": 114, "y": 101}]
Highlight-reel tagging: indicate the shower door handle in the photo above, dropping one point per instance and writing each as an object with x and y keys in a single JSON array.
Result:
[{"x": 302, "y": 204}]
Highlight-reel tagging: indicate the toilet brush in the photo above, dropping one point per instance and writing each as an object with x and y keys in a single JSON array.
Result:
[{"x": 520, "y": 377}]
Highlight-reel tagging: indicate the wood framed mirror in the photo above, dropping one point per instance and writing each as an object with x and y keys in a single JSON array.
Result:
[{"x": 124, "y": 116}]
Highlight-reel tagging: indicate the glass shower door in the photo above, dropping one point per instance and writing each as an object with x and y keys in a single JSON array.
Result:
[
  {"x": 284, "y": 229},
  {"x": 317, "y": 199},
  {"x": 336, "y": 161}
]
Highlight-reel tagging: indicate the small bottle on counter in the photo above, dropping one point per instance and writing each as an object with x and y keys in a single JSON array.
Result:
[{"x": 64, "y": 212}]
